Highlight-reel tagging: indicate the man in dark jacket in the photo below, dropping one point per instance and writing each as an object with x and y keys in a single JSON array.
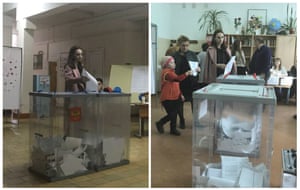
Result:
[
  {"x": 190, "y": 84},
  {"x": 261, "y": 61}
]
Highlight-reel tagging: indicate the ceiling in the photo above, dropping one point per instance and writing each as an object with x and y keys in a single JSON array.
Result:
[{"x": 76, "y": 12}]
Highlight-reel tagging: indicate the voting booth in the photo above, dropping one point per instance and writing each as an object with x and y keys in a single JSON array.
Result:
[
  {"x": 232, "y": 135},
  {"x": 86, "y": 133}
]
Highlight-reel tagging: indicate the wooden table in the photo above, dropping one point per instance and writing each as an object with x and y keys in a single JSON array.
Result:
[
  {"x": 143, "y": 115},
  {"x": 283, "y": 84}
]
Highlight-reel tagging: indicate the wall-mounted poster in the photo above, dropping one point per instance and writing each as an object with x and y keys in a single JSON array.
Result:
[
  {"x": 38, "y": 61},
  {"x": 12, "y": 71}
]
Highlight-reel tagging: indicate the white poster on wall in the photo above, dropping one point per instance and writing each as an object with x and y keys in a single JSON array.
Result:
[
  {"x": 139, "y": 81},
  {"x": 12, "y": 70}
]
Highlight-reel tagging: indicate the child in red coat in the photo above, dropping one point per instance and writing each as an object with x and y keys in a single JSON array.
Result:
[{"x": 170, "y": 94}]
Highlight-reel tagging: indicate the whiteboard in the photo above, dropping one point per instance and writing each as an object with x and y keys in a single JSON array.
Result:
[
  {"x": 131, "y": 79},
  {"x": 12, "y": 71}
]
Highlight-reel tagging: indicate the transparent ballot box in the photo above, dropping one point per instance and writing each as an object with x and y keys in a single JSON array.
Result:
[
  {"x": 82, "y": 133},
  {"x": 232, "y": 135},
  {"x": 241, "y": 79}
]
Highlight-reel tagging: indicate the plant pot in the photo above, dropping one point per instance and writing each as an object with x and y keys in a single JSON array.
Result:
[{"x": 292, "y": 31}]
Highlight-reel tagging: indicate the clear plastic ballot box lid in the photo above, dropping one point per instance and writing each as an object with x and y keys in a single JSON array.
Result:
[
  {"x": 245, "y": 93},
  {"x": 241, "y": 79}
]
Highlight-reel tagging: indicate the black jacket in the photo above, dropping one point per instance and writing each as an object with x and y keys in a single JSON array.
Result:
[{"x": 189, "y": 84}]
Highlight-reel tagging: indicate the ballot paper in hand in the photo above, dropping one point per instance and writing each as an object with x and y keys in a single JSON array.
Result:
[
  {"x": 91, "y": 84},
  {"x": 194, "y": 65},
  {"x": 228, "y": 67}
]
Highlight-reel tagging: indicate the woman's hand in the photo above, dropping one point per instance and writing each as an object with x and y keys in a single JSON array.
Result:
[
  {"x": 188, "y": 73},
  {"x": 198, "y": 69},
  {"x": 84, "y": 78},
  {"x": 182, "y": 98},
  {"x": 221, "y": 66}
]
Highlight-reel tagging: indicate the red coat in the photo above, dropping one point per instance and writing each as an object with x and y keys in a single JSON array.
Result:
[{"x": 170, "y": 84}]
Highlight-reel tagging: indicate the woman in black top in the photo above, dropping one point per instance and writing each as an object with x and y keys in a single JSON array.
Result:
[{"x": 223, "y": 53}]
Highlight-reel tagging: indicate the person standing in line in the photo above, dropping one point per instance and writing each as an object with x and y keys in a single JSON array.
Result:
[
  {"x": 201, "y": 57},
  {"x": 261, "y": 61},
  {"x": 74, "y": 81},
  {"x": 171, "y": 95},
  {"x": 240, "y": 59},
  {"x": 218, "y": 55},
  {"x": 182, "y": 58}
]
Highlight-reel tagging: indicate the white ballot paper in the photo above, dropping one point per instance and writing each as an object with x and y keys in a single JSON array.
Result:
[
  {"x": 92, "y": 84},
  {"x": 251, "y": 178},
  {"x": 231, "y": 166},
  {"x": 194, "y": 65},
  {"x": 229, "y": 65}
]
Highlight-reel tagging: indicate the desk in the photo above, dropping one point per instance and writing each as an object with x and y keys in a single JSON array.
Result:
[
  {"x": 143, "y": 114},
  {"x": 288, "y": 87},
  {"x": 284, "y": 82}
]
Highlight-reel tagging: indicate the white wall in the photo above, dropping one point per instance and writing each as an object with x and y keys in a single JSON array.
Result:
[
  {"x": 8, "y": 26},
  {"x": 173, "y": 19},
  {"x": 122, "y": 41}
]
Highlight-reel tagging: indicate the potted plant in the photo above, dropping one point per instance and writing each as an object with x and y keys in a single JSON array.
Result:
[
  {"x": 291, "y": 20},
  {"x": 210, "y": 20}
]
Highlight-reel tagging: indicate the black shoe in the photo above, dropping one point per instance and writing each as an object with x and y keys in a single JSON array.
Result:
[
  {"x": 175, "y": 132},
  {"x": 159, "y": 127},
  {"x": 182, "y": 126}
]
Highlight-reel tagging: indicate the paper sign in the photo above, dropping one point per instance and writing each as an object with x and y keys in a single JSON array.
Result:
[
  {"x": 203, "y": 109},
  {"x": 228, "y": 67},
  {"x": 194, "y": 65}
]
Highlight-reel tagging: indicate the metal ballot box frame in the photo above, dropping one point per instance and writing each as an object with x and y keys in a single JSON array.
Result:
[
  {"x": 232, "y": 129},
  {"x": 82, "y": 133},
  {"x": 241, "y": 79}
]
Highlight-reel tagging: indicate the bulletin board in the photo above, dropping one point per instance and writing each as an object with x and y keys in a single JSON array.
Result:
[
  {"x": 12, "y": 74},
  {"x": 132, "y": 79}
]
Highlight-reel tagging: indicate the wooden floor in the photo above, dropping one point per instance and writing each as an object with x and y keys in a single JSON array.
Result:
[
  {"x": 171, "y": 156},
  {"x": 16, "y": 161}
]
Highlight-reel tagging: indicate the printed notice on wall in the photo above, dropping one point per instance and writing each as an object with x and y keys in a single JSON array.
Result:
[{"x": 203, "y": 109}]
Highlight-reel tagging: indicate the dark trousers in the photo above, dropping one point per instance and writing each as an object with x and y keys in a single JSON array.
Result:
[
  {"x": 241, "y": 70},
  {"x": 171, "y": 107}
]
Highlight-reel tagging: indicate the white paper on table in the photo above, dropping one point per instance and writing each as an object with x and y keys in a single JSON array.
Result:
[
  {"x": 92, "y": 83},
  {"x": 229, "y": 65},
  {"x": 194, "y": 65},
  {"x": 203, "y": 109}
]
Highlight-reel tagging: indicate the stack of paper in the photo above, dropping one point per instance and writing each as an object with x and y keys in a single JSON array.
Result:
[{"x": 235, "y": 172}]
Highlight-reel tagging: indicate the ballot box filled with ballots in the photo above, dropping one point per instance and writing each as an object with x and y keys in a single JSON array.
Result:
[
  {"x": 241, "y": 79},
  {"x": 232, "y": 135},
  {"x": 75, "y": 137}
]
